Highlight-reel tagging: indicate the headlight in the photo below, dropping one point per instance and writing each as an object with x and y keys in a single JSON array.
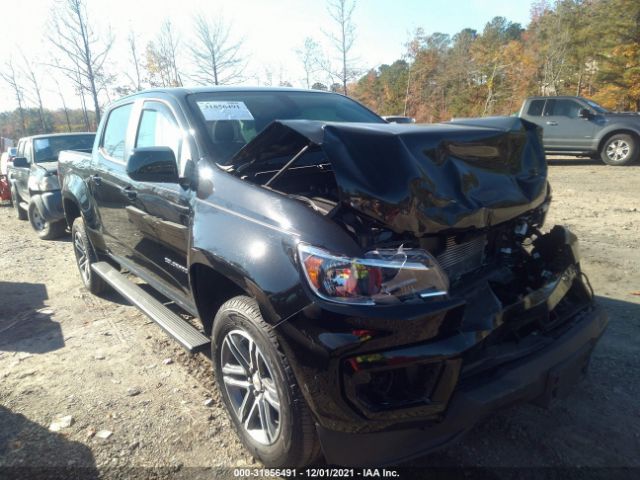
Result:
[{"x": 381, "y": 277}]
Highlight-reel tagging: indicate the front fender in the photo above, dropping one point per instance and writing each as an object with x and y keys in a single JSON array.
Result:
[
  {"x": 249, "y": 235},
  {"x": 617, "y": 127}
]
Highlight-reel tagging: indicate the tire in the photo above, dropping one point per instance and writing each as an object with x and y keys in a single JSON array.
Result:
[
  {"x": 620, "y": 150},
  {"x": 291, "y": 441},
  {"x": 45, "y": 230},
  {"x": 15, "y": 201},
  {"x": 85, "y": 256}
]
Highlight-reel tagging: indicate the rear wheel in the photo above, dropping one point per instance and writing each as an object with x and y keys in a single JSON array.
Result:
[
  {"x": 258, "y": 388},
  {"x": 45, "y": 230},
  {"x": 15, "y": 200},
  {"x": 620, "y": 149},
  {"x": 85, "y": 257}
]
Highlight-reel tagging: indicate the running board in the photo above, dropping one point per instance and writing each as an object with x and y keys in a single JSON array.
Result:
[{"x": 185, "y": 334}]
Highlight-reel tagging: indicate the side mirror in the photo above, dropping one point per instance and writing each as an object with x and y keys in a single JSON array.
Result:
[
  {"x": 153, "y": 164},
  {"x": 20, "y": 162},
  {"x": 584, "y": 113}
]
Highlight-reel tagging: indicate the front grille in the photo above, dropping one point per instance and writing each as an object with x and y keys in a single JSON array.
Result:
[{"x": 460, "y": 258}]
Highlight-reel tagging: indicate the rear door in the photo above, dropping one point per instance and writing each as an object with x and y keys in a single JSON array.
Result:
[
  {"x": 160, "y": 212},
  {"x": 109, "y": 183},
  {"x": 563, "y": 128}
]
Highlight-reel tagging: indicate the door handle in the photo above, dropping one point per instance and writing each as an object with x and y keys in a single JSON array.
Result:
[
  {"x": 97, "y": 179},
  {"x": 552, "y": 123},
  {"x": 129, "y": 192}
]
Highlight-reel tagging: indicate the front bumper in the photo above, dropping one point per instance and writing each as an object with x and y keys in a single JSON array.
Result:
[
  {"x": 539, "y": 377},
  {"x": 50, "y": 205},
  {"x": 424, "y": 373}
]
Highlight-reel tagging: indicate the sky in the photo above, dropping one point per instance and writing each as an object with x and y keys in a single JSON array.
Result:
[{"x": 272, "y": 30}]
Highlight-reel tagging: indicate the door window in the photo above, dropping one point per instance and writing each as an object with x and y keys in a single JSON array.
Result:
[
  {"x": 115, "y": 132},
  {"x": 158, "y": 128},
  {"x": 562, "y": 108},
  {"x": 535, "y": 108}
]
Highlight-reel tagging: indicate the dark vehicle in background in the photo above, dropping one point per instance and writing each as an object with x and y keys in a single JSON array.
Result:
[
  {"x": 33, "y": 176},
  {"x": 368, "y": 290},
  {"x": 578, "y": 126}
]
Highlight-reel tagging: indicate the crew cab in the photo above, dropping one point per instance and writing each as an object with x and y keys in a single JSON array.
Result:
[
  {"x": 369, "y": 291},
  {"x": 33, "y": 177},
  {"x": 580, "y": 127}
]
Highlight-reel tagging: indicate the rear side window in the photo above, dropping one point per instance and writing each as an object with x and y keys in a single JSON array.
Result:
[
  {"x": 28, "y": 151},
  {"x": 115, "y": 132},
  {"x": 535, "y": 108}
]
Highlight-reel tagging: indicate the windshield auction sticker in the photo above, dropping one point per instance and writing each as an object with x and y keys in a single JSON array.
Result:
[{"x": 213, "y": 111}]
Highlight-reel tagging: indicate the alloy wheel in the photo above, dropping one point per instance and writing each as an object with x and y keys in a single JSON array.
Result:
[
  {"x": 82, "y": 257},
  {"x": 250, "y": 386},
  {"x": 37, "y": 221},
  {"x": 618, "y": 150}
]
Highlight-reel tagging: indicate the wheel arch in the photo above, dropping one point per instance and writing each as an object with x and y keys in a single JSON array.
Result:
[
  {"x": 71, "y": 209},
  {"x": 227, "y": 281},
  {"x": 209, "y": 300},
  {"x": 619, "y": 131}
]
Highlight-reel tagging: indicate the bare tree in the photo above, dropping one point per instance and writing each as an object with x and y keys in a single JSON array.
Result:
[
  {"x": 64, "y": 105},
  {"x": 34, "y": 90},
  {"x": 133, "y": 51},
  {"x": 10, "y": 76},
  {"x": 162, "y": 61},
  {"x": 310, "y": 56},
  {"x": 81, "y": 47},
  {"x": 341, "y": 12},
  {"x": 216, "y": 55}
]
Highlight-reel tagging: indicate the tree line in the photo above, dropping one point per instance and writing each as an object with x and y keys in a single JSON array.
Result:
[
  {"x": 570, "y": 47},
  {"x": 575, "y": 47}
]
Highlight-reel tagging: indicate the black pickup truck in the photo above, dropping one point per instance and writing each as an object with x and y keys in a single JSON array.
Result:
[
  {"x": 368, "y": 290},
  {"x": 33, "y": 177},
  {"x": 578, "y": 126}
]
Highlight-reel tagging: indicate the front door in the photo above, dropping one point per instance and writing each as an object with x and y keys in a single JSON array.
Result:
[
  {"x": 564, "y": 129},
  {"x": 20, "y": 175},
  {"x": 160, "y": 213}
]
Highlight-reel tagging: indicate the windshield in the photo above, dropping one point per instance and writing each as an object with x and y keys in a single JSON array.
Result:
[
  {"x": 47, "y": 149},
  {"x": 232, "y": 119},
  {"x": 597, "y": 107}
]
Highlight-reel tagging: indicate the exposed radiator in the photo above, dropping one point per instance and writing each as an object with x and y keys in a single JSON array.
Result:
[{"x": 460, "y": 258}]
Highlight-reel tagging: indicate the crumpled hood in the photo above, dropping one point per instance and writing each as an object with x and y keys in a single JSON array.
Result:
[{"x": 421, "y": 179}]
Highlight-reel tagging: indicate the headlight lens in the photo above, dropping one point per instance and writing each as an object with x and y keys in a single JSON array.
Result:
[{"x": 381, "y": 277}]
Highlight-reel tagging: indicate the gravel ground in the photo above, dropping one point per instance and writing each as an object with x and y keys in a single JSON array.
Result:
[{"x": 137, "y": 401}]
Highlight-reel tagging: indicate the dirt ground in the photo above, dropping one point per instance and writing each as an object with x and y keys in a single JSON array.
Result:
[{"x": 64, "y": 352}]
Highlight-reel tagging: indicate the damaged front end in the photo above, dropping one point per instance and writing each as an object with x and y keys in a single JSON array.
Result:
[{"x": 455, "y": 302}]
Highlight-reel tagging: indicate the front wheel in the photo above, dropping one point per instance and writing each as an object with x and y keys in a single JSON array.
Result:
[
  {"x": 258, "y": 388},
  {"x": 619, "y": 150},
  {"x": 85, "y": 256},
  {"x": 46, "y": 230},
  {"x": 15, "y": 201}
]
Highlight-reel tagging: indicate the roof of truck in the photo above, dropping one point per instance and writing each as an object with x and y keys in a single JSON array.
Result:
[
  {"x": 184, "y": 91},
  {"x": 50, "y": 135},
  {"x": 560, "y": 97}
]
